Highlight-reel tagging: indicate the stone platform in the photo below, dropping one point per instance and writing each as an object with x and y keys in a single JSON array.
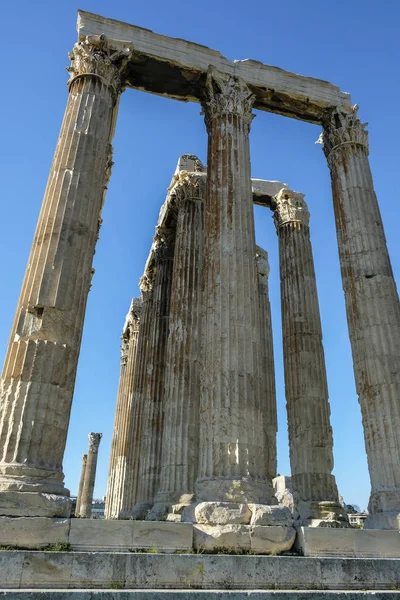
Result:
[
  {"x": 357, "y": 543},
  {"x": 192, "y": 595}
]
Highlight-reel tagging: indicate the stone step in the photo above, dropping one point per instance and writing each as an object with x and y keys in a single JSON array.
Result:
[
  {"x": 195, "y": 595},
  {"x": 108, "y": 570}
]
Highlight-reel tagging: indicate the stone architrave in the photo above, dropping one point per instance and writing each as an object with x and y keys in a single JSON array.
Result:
[
  {"x": 231, "y": 466},
  {"x": 40, "y": 367},
  {"x": 267, "y": 370},
  {"x": 81, "y": 482},
  {"x": 372, "y": 306},
  {"x": 85, "y": 509},
  {"x": 151, "y": 423},
  {"x": 120, "y": 441},
  {"x": 310, "y": 433},
  {"x": 180, "y": 446},
  {"x": 128, "y": 484}
]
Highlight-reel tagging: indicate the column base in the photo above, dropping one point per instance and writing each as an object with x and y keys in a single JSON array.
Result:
[
  {"x": 240, "y": 489},
  {"x": 321, "y": 514},
  {"x": 140, "y": 511},
  {"x": 34, "y": 504}
]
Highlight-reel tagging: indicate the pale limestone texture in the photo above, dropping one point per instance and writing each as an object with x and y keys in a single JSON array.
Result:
[
  {"x": 81, "y": 482},
  {"x": 310, "y": 432},
  {"x": 39, "y": 372},
  {"x": 120, "y": 441},
  {"x": 222, "y": 513},
  {"x": 284, "y": 491},
  {"x": 231, "y": 464},
  {"x": 259, "y": 539},
  {"x": 272, "y": 540},
  {"x": 36, "y": 532},
  {"x": 85, "y": 509},
  {"x": 261, "y": 514},
  {"x": 372, "y": 306}
]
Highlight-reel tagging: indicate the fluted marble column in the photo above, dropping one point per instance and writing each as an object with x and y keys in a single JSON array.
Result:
[
  {"x": 267, "y": 370},
  {"x": 231, "y": 466},
  {"x": 120, "y": 441},
  {"x": 180, "y": 446},
  {"x": 151, "y": 428},
  {"x": 85, "y": 509},
  {"x": 81, "y": 482},
  {"x": 40, "y": 367},
  {"x": 372, "y": 305},
  {"x": 129, "y": 481},
  {"x": 310, "y": 432}
]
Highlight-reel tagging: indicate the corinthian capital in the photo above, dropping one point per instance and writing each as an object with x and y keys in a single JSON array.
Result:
[
  {"x": 290, "y": 207},
  {"x": 341, "y": 128},
  {"x": 93, "y": 56},
  {"x": 225, "y": 94},
  {"x": 164, "y": 243},
  {"x": 262, "y": 261},
  {"x": 94, "y": 441},
  {"x": 190, "y": 186}
]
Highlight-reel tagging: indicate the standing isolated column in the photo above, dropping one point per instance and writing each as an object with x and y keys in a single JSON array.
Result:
[
  {"x": 151, "y": 426},
  {"x": 372, "y": 306},
  {"x": 231, "y": 458},
  {"x": 129, "y": 482},
  {"x": 81, "y": 482},
  {"x": 85, "y": 510},
  {"x": 180, "y": 447},
  {"x": 310, "y": 433},
  {"x": 120, "y": 441},
  {"x": 40, "y": 367},
  {"x": 267, "y": 387}
]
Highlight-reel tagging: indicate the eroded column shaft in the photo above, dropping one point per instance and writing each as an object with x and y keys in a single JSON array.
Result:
[
  {"x": 372, "y": 306},
  {"x": 120, "y": 440},
  {"x": 40, "y": 367},
  {"x": 81, "y": 482},
  {"x": 85, "y": 510},
  {"x": 180, "y": 447},
  {"x": 231, "y": 466},
  {"x": 310, "y": 432}
]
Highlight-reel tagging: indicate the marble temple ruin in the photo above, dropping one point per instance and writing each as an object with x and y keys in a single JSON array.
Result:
[{"x": 195, "y": 427}]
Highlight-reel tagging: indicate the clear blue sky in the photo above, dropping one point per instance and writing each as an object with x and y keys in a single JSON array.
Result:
[{"x": 352, "y": 43}]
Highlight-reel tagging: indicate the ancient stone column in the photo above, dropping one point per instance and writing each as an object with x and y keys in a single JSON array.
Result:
[
  {"x": 151, "y": 424},
  {"x": 231, "y": 466},
  {"x": 180, "y": 446},
  {"x": 40, "y": 366},
  {"x": 81, "y": 482},
  {"x": 310, "y": 433},
  {"x": 120, "y": 441},
  {"x": 132, "y": 435},
  {"x": 267, "y": 369},
  {"x": 85, "y": 510},
  {"x": 372, "y": 305}
]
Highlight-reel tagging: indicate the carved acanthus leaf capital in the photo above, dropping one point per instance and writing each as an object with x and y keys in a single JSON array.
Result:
[
  {"x": 94, "y": 441},
  {"x": 262, "y": 261},
  {"x": 131, "y": 323},
  {"x": 342, "y": 128},
  {"x": 146, "y": 284},
  {"x": 93, "y": 56},
  {"x": 225, "y": 94},
  {"x": 190, "y": 186},
  {"x": 164, "y": 243},
  {"x": 290, "y": 207}
]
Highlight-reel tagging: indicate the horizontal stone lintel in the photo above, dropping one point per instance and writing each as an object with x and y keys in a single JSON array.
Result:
[{"x": 177, "y": 69}]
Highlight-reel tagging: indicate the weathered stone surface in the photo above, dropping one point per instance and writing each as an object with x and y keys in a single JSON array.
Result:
[
  {"x": 261, "y": 514},
  {"x": 33, "y": 532},
  {"x": 284, "y": 491},
  {"x": 221, "y": 513},
  {"x": 85, "y": 509},
  {"x": 141, "y": 510},
  {"x": 306, "y": 389},
  {"x": 193, "y": 595},
  {"x": 80, "y": 489},
  {"x": 120, "y": 441},
  {"x": 272, "y": 540},
  {"x": 39, "y": 372},
  {"x": 31, "y": 504},
  {"x": 372, "y": 306},
  {"x": 230, "y": 537}
]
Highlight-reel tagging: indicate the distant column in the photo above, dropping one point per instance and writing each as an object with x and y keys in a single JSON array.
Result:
[
  {"x": 120, "y": 440},
  {"x": 180, "y": 447},
  {"x": 39, "y": 371},
  {"x": 267, "y": 370},
  {"x": 81, "y": 481},
  {"x": 151, "y": 426},
  {"x": 231, "y": 466},
  {"x": 372, "y": 306},
  {"x": 310, "y": 432},
  {"x": 90, "y": 476}
]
